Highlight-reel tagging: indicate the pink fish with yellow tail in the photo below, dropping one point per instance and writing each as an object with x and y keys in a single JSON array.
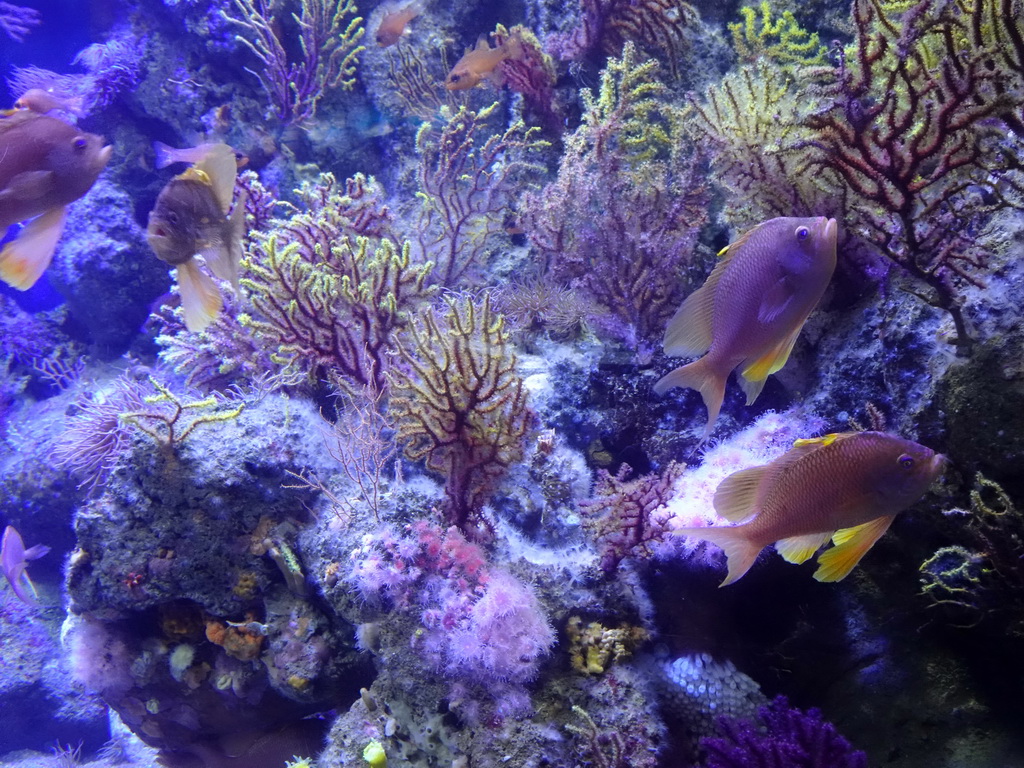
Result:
[
  {"x": 14, "y": 560},
  {"x": 845, "y": 487},
  {"x": 750, "y": 310}
]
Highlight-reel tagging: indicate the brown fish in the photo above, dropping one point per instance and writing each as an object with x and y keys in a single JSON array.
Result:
[
  {"x": 751, "y": 309},
  {"x": 45, "y": 164},
  {"x": 191, "y": 217},
  {"x": 395, "y": 22},
  {"x": 481, "y": 62},
  {"x": 846, "y": 487}
]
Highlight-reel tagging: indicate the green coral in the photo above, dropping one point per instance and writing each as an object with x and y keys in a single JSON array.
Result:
[
  {"x": 780, "y": 40},
  {"x": 169, "y": 419}
]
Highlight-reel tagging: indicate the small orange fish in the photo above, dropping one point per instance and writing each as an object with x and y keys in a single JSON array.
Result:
[
  {"x": 751, "y": 309},
  {"x": 481, "y": 62},
  {"x": 395, "y": 22},
  {"x": 846, "y": 487}
]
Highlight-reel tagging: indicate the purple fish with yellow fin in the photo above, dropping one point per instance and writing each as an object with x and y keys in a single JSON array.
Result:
[
  {"x": 845, "y": 487},
  {"x": 14, "y": 560},
  {"x": 191, "y": 217},
  {"x": 750, "y": 310}
]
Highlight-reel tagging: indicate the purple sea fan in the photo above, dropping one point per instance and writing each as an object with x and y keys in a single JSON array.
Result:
[
  {"x": 18, "y": 21},
  {"x": 785, "y": 737}
]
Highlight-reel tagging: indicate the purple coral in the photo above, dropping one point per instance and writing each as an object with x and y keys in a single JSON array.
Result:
[
  {"x": 785, "y": 737},
  {"x": 480, "y": 625},
  {"x": 17, "y": 21}
]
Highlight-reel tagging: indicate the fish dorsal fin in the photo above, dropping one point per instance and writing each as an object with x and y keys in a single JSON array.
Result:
[
  {"x": 799, "y": 549},
  {"x": 769, "y": 363},
  {"x": 730, "y": 250},
  {"x": 851, "y": 544},
  {"x": 820, "y": 442},
  {"x": 217, "y": 169},
  {"x": 736, "y": 497}
]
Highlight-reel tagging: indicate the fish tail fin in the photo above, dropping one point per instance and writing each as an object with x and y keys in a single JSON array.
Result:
[
  {"x": 23, "y": 261},
  {"x": 164, "y": 154},
  {"x": 200, "y": 298},
  {"x": 740, "y": 551},
  {"x": 701, "y": 376}
]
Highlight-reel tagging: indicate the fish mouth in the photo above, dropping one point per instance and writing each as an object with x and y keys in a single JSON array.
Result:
[
  {"x": 831, "y": 230},
  {"x": 104, "y": 156}
]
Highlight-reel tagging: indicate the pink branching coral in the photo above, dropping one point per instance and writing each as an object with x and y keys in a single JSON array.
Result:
[
  {"x": 912, "y": 136},
  {"x": 659, "y": 27},
  {"x": 459, "y": 405},
  {"x": 531, "y": 73},
  {"x": 467, "y": 177},
  {"x": 17, "y": 21},
  {"x": 628, "y": 517},
  {"x": 329, "y": 34},
  {"x": 620, "y": 222}
]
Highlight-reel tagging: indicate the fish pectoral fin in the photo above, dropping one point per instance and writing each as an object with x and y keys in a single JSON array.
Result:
[
  {"x": 851, "y": 544},
  {"x": 769, "y": 363},
  {"x": 30, "y": 185},
  {"x": 34, "y": 553},
  {"x": 200, "y": 298},
  {"x": 775, "y": 301},
  {"x": 23, "y": 261},
  {"x": 736, "y": 496},
  {"x": 218, "y": 259},
  {"x": 799, "y": 549}
]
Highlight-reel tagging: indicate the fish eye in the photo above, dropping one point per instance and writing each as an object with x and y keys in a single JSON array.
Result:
[
  {"x": 906, "y": 461},
  {"x": 802, "y": 233},
  {"x": 172, "y": 217},
  {"x": 454, "y": 78},
  {"x": 80, "y": 143}
]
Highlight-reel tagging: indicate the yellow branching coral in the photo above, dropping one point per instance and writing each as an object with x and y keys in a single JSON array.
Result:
[
  {"x": 619, "y": 223},
  {"x": 169, "y": 419},
  {"x": 780, "y": 40},
  {"x": 594, "y": 646},
  {"x": 459, "y": 405}
]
